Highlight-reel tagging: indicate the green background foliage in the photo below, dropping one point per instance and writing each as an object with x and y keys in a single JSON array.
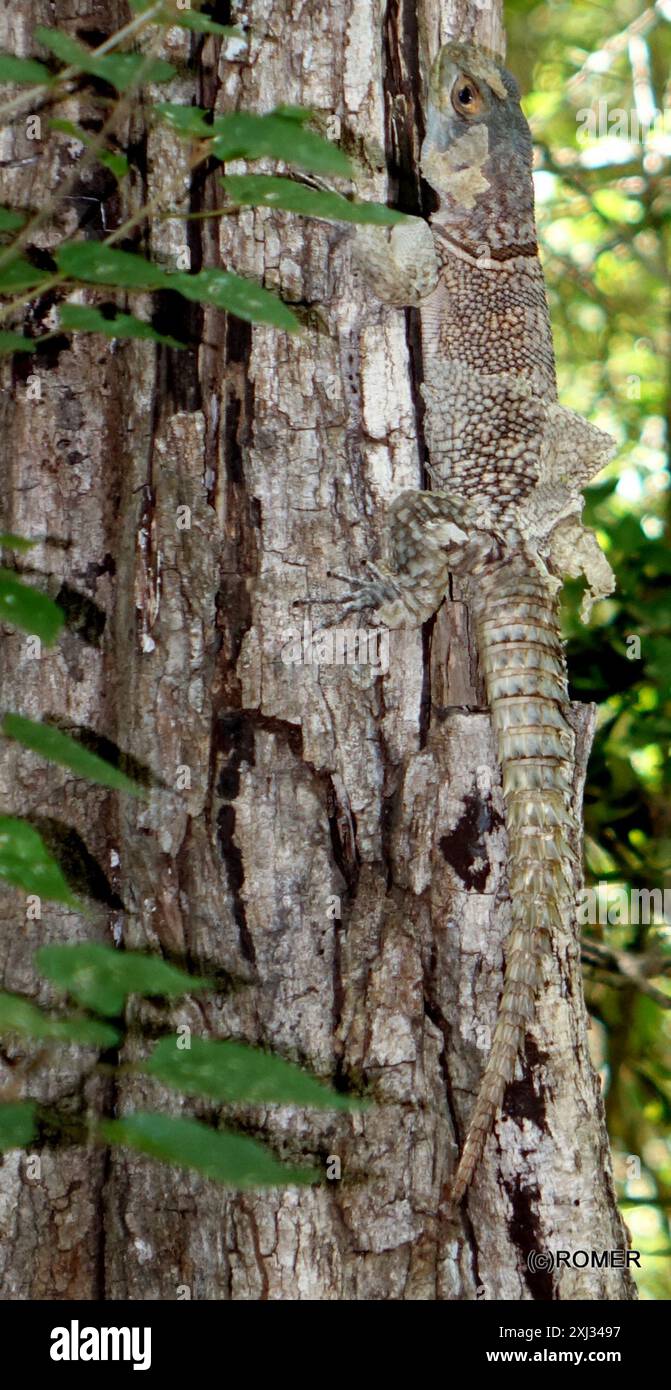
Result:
[{"x": 604, "y": 212}]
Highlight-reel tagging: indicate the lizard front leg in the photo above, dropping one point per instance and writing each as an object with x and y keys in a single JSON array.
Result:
[{"x": 430, "y": 535}]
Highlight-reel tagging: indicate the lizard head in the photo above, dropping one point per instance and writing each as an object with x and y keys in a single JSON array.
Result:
[{"x": 477, "y": 151}]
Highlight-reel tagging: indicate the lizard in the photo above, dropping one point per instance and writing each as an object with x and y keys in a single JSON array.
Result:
[{"x": 507, "y": 466}]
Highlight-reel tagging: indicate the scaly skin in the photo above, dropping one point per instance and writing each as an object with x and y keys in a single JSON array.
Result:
[
  {"x": 508, "y": 463},
  {"x": 525, "y": 675}
]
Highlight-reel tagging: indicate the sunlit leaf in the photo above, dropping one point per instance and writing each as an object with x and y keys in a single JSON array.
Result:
[
  {"x": 97, "y": 264},
  {"x": 188, "y": 120},
  {"x": 272, "y": 191},
  {"x": 26, "y": 863},
  {"x": 244, "y": 135},
  {"x": 230, "y": 1159},
  {"x": 59, "y": 748},
  {"x": 28, "y": 609},
  {"x": 239, "y": 296},
  {"x": 101, "y": 977},
  {"x": 232, "y": 1071}
]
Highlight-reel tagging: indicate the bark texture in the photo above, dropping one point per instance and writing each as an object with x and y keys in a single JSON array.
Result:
[{"x": 329, "y": 837}]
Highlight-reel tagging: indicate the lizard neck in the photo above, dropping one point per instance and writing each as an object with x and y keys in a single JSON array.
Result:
[
  {"x": 473, "y": 252},
  {"x": 490, "y": 315}
]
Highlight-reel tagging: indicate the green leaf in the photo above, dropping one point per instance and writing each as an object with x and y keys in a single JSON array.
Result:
[
  {"x": 59, "y": 748},
  {"x": 26, "y": 863},
  {"x": 97, "y": 264},
  {"x": 94, "y": 263},
  {"x": 232, "y": 1071},
  {"x": 17, "y": 1124},
  {"x": 293, "y": 113},
  {"x": 82, "y": 318},
  {"x": 10, "y": 220},
  {"x": 101, "y": 977},
  {"x": 88, "y": 1032},
  {"x": 116, "y": 163},
  {"x": 121, "y": 70},
  {"x": 202, "y": 24},
  {"x": 28, "y": 609},
  {"x": 239, "y": 296},
  {"x": 12, "y": 542},
  {"x": 243, "y": 135},
  {"x": 127, "y": 70},
  {"x": 188, "y": 19},
  {"x": 70, "y": 128},
  {"x": 272, "y": 191},
  {"x": 231, "y": 1159},
  {"x": 16, "y": 342},
  {"x": 23, "y": 70},
  {"x": 18, "y": 1015},
  {"x": 246, "y": 136},
  {"x": 188, "y": 120},
  {"x": 63, "y": 46},
  {"x": 19, "y": 274}
]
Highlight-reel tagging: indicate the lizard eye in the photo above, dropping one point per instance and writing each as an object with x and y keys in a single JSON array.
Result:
[{"x": 466, "y": 98}]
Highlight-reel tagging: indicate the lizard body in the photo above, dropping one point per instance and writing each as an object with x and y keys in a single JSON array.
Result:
[{"x": 508, "y": 464}]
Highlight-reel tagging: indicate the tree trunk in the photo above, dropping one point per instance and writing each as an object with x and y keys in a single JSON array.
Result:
[{"x": 331, "y": 838}]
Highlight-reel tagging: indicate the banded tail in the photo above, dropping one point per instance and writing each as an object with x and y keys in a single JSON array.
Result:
[
  {"x": 521, "y": 652},
  {"x": 522, "y": 656}
]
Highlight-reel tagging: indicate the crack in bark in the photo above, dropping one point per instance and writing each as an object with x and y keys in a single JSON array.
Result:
[
  {"x": 232, "y": 857},
  {"x": 435, "y": 1015}
]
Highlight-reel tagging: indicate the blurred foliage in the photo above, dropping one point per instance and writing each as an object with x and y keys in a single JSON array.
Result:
[{"x": 598, "y": 85}]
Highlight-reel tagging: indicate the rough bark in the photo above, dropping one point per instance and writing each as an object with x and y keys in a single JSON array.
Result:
[{"x": 308, "y": 782}]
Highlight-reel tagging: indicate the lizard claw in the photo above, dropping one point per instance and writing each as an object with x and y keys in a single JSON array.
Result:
[
  {"x": 363, "y": 593},
  {"x": 369, "y": 593}
]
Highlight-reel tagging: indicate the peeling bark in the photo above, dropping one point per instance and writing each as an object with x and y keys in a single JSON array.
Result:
[{"x": 307, "y": 783}]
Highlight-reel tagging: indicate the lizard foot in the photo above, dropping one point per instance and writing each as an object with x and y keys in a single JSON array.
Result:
[{"x": 372, "y": 593}]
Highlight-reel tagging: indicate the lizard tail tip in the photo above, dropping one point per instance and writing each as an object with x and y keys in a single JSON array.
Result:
[{"x": 458, "y": 1187}]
